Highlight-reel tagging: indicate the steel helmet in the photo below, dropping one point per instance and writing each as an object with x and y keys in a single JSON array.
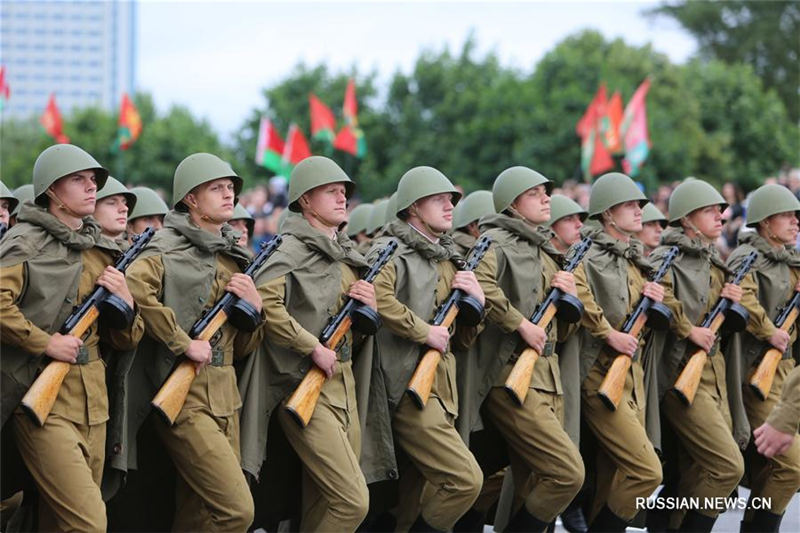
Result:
[
  {"x": 514, "y": 181},
  {"x": 770, "y": 200},
  {"x": 62, "y": 160},
  {"x": 358, "y": 220},
  {"x": 6, "y": 194},
  {"x": 562, "y": 206},
  {"x": 651, "y": 213},
  {"x": 690, "y": 195},
  {"x": 197, "y": 169},
  {"x": 148, "y": 203},
  {"x": 312, "y": 172},
  {"x": 421, "y": 182},
  {"x": 114, "y": 187},
  {"x": 473, "y": 207},
  {"x": 613, "y": 189}
]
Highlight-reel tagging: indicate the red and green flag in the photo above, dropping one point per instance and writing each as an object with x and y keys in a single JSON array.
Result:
[
  {"x": 351, "y": 138},
  {"x": 52, "y": 121},
  {"x": 130, "y": 123},
  {"x": 635, "y": 136},
  {"x": 611, "y": 123},
  {"x": 296, "y": 148},
  {"x": 270, "y": 146},
  {"x": 323, "y": 124},
  {"x": 595, "y": 158},
  {"x": 5, "y": 90}
]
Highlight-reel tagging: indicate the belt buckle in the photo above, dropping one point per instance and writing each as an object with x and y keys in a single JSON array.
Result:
[
  {"x": 548, "y": 349},
  {"x": 217, "y": 358},
  {"x": 83, "y": 356}
]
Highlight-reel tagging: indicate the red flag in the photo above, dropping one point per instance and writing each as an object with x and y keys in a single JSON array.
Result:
[
  {"x": 5, "y": 90},
  {"x": 296, "y": 148},
  {"x": 130, "y": 123},
  {"x": 611, "y": 124},
  {"x": 323, "y": 123},
  {"x": 346, "y": 141},
  {"x": 52, "y": 122},
  {"x": 635, "y": 135},
  {"x": 350, "y": 106},
  {"x": 596, "y": 108},
  {"x": 269, "y": 148},
  {"x": 595, "y": 158}
]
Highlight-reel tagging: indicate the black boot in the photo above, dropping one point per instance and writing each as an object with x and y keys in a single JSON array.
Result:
[
  {"x": 524, "y": 521},
  {"x": 607, "y": 522},
  {"x": 472, "y": 522},
  {"x": 573, "y": 519},
  {"x": 421, "y": 526},
  {"x": 695, "y": 522},
  {"x": 764, "y": 522}
]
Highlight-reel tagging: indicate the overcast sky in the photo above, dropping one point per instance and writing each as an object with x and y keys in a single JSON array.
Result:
[{"x": 215, "y": 57}]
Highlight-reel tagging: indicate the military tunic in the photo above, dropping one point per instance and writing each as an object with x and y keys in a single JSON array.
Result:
[
  {"x": 43, "y": 262},
  {"x": 785, "y": 417}
]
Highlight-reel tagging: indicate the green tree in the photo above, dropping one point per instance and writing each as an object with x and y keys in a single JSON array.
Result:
[{"x": 763, "y": 35}]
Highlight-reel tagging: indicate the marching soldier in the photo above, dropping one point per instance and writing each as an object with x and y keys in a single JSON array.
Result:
[
  {"x": 357, "y": 227},
  {"x": 23, "y": 193},
  {"x": 440, "y": 461},
  {"x": 50, "y": 261},
  {"x": 377, "y": 218},
  {"x": 566, "y": 221},
  {"x": 302, "y": 285},
  {"x": 114, "y": 202},
  {"x": 609, "y": 281},
  {"x": 465, "y": 219},
  {"x": 148, "y": 211},
  {"x": 244, "y": 223},
  {"x": 779, "y": 432},
  {"x": 708, "y": 460},
  {"x": 8, "y": 203},
  {"x": 653, "y": 224},
  {"x": 188, "y": 266},
  {"x": 772, "y": 212},
  {"x": 515, "y": 275}
]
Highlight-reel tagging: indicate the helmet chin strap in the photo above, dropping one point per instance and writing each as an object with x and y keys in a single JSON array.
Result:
[
  {"x": 520, "y": 216},
  {"x": 413, "y": 210},
  {"x": 325, "y": 222},
  {"x": 771, "y": 236},
  {"x": 63, "y": 207},
  {"x": 703, "y": 237},
  {"x": 608, "y": 218}
]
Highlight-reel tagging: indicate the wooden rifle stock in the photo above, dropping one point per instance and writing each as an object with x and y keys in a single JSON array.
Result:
[
  {"x": 303, "y": 400},
  {"x": 421, "y": 382},
  {"x": 41, "y": 395},
  {"x": 689, "y": 379},
  {"x": 613, "y": 384},
  {"x": 519, "y": 380},
  {"x": 761, "y": 379}
]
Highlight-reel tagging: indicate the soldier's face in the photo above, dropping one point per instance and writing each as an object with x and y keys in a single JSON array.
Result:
[
  {"x": 436, "y": 211},
  {"x": 650, "y": 234},
  {"x": 78, "y": 192},
  {"x": 214, "y": 200},
  {"x": 568, "y": 229},
  {"x": 783, "y": 226},
  {"x": 708, "y": 220},
  {"x": 139, "y": 224},
  {"x": 4, "y": 212},
  {"x": 534, "y": 204},
  {"x": 327, "y": 203},
  {"x": 628, "y": 216},
  {"x": 112, "y": 214},
  {"x": 240, "y": 226}
]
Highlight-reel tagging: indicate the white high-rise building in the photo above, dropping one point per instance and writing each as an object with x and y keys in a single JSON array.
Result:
[{"x": 84, "y": 52}]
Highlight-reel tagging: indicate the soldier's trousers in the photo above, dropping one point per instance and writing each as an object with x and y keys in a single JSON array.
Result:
[
  {"x": 627, "y": 464},
  {"x": 547, "y": 467},
  {"x": 66, "y": 462},
  {"x": 710, "y": 462},
  {"x": 453, "y": 477},
  {"x": 335, "y": 495},
  {"x": 211, "y": 492},
  {"x": 778, "y": 478}
]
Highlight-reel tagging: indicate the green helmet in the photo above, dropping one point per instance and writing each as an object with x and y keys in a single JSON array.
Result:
[
  {"x": 62, "y": 160},
  {"x": 240, "y": 213},
  {"x": 514, "y": 181},
  {"x": 6, "y": 194},
  {"x": 197, "y": 169},
  {"x": 650, "y": 213},
  {"x": 114, "y": 187},
  {"x": 474, "y": 206},
  {"x": 770, "y": 200},
  {"x": 377, "y": 217},
  {"x": 312, "y": 172},
  {"x": 23, "y": 193},
  {"x": 391, "y": 209},
  {"x": 690, "y": 195},
  {"x": 148, "y": 203},
  {"x": 613, "y": 189},
  {"x": 561, "y": 206},
  {"x": 358, "y": 219},
  {"x": 421, "y": 182}
]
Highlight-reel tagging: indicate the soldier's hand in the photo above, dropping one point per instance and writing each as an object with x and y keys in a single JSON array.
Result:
[
  {"x": 732, "y": 292},
  {"x": 533, "y": 335},
  {"x": 63, "y": 347},
  {"x": 771, "y": 442},
  {"x": 654, "y": 291},
  {"x": 199, "y": 352},
  {"x": 114, "y": 280},
  {"x": 243, "y": 286},
  {"x": 364, "y": 292},
  {"x": 565, "y": 282},
  {"x": 325, "y": 359},
  {"x": 437, "y": 338},
  {"x": 467, "y": 282},
  {"x": 779, "y": 339},
  {"x": 622, "y": 343},
  {"x": 702, "y": 337}
]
